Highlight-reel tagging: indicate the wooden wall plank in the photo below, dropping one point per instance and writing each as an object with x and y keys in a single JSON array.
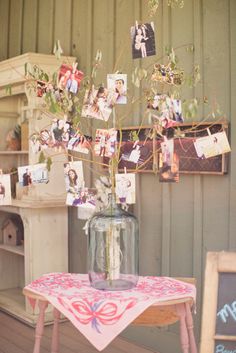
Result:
[
  {"x": 4, "y": 23},
  {"x": 15, "y": 28},
  {"x": 45, "y": 26},
  {"x": 82, "y": 34},
  {"x": 181, "y": 244},
  {"x": 29, "y": 29},
  {"x": 216, "y": 87},
  {"x": 150, "y": 225},
  {"x": 232, "y": 69},
  {"x": 62, "y": 29}
]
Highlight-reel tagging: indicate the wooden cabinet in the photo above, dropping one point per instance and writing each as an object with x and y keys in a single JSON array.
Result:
[{"x": 41, "y": 207}]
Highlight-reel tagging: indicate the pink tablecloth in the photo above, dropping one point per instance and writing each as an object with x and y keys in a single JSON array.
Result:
[{"x": 102, "y": 315}]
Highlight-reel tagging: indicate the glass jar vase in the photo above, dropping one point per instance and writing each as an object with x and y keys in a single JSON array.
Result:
[{"x": 113, "y": 248}]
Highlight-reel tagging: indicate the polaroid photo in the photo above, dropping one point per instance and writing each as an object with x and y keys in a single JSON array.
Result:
[
  {"x": 80, "y": 143},
  {"x": 143, "y": 40},
  {"x": 98, "y": 103},
  {"x": 74, "y": 180},
  {"x": 33, "y": 174},
  {"x": 212, "y": 145},
  {"x": 170, "y": 173},
  {"x": 69, "y": 78},
  {"x": 117, "y": 83},
  {"x": 125, "y": 188},
  {"x": 105, "y": 142},
  {"x": 5, "y": 189}
]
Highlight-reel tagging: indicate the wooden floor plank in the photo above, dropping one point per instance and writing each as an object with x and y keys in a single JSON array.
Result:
[{"x": 17, "y": 337}]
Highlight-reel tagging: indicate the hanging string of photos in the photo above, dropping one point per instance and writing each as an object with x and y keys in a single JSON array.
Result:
[{"x": 74, "y": 100}]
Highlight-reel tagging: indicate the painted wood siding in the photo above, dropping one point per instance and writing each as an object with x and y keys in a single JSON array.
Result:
[{"x": 178, "y": 223}]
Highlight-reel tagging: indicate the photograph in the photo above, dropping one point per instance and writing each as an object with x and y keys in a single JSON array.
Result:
[
  {"x": 86, "y": 198},
  {"x": 74, "y": 181},
  {"x": 136, "y": 150},
  {"x": 57, "y": 136},
  {"x": 33, "y": 174},
  {"x": 118, "y": 83},
  {"x": 167, "y": 109},
  {"x": 169, "y": 172},
  {"x": 5, "y": 189},
  {"x": 125, "y": 188},
  {"x": 80, "y": 143},
  {"x": 212, "y": 145},
  {"x": 98, "y": 103},
  {"x": 143, "y": 40},
  {"x": 167, "y": 151},
  {"x": 105, "y": 142},
  {"x": 69, "y": 78}
]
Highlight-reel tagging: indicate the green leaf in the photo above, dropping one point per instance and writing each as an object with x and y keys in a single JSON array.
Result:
[
  {"x": 49, "y": 163},
  {"x": 26, "y": 68},
  {"x": 57, "y": 51},
  {"x": 42, "y": 157},
  {"x": 8, "y": 89}
]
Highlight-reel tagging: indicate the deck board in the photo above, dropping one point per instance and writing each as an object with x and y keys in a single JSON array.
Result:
[{"x": 17, "y": 337}]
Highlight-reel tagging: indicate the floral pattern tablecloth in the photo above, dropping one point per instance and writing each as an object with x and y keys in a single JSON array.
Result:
[{"x": 101, "y": 315}]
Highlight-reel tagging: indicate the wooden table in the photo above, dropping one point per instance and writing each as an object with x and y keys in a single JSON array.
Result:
[{"x": 163, "y": 314}]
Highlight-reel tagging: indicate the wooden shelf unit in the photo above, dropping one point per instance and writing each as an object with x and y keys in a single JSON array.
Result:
[{"x": 41, "y": 207}]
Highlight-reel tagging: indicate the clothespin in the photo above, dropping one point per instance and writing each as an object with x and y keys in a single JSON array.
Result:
[
  {"x": 125, "y": 170},
  {"x": 1, "y": 172}
]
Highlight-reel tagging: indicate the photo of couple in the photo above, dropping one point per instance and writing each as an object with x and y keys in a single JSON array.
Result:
[
  {"x": 70, "y": 78},
  {"x": 33, "y": 174},
  {"x": 143, "y": 40}
]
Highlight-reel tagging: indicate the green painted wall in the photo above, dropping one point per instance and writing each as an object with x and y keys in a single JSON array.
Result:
[{"x": 179, "y": 223}]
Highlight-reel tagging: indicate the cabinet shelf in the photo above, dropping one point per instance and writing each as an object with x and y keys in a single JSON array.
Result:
[
  {"x": 14, "y": 152},
  {"x": 17, "y": 249}
]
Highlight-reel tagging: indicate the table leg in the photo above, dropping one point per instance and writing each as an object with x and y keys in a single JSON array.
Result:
[
  {"x": 189, "y": 321},
  {"x": 40, "y": 325},
  {"x": 55, "y": 336},
  {"x": 184, "y": 339}
]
